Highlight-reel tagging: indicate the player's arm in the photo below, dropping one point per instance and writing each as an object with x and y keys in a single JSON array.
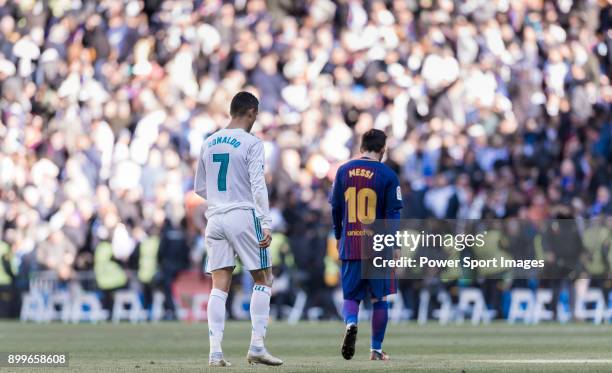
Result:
[
  {"x": 200, "y": 176},
  {"x": 336, "y": 200},
  {"x": 393, "y": 206},
  {"x": 393, "y": 199},
  {"x": 255, "y": 160}
]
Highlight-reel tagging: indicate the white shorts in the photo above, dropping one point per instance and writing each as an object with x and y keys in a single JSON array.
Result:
[{"x": 235, "y": 233}]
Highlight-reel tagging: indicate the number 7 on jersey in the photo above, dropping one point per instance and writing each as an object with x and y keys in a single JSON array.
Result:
[{"x": 223, "y": 159}]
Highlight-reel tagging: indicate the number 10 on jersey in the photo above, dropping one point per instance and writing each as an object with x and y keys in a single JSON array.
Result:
[{"x": 361, "y": 205}]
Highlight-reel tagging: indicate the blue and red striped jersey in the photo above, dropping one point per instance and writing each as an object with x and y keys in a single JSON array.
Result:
[{"x": 364, "y": 190}]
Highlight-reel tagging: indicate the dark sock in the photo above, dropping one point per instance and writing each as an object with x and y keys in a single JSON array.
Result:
[
  {"x": 350, "y": 310},
  {"x": 380, "y": 316}
]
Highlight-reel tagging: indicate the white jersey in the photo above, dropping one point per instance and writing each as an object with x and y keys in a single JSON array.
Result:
[{"x": 230, "y": 174}]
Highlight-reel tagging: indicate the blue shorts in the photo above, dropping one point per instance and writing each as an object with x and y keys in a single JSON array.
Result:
[{"x": 356, "y": 288}]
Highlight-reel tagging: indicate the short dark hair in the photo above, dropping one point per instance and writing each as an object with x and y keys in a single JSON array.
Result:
[
  {"x": 243, "y": 102},
  {"x": 373, "y": 141}
]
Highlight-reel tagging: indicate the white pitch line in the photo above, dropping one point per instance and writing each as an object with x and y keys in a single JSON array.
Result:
[{"x": 547, "y": 361}]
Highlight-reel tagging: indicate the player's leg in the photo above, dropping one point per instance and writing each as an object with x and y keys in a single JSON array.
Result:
[
  {"x": 380, "y": 317},
  {"x": 260, "y": 315},
  {"x": 350, "y": 311},
  {"x": 353, "y": 291},
  {"x": 245, "y": 241},
  {"x": 220, "y": 264},
  {"x": 379, "y": 289},
  {"x": 260, "y": 306},
  {"x": 216, "y": 314}
]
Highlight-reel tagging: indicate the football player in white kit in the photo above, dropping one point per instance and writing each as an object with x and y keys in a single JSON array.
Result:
[{"x": 230, "y": 176}]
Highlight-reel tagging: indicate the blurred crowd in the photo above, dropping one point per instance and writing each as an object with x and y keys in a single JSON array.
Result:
[{"x": 493, "y": 108}]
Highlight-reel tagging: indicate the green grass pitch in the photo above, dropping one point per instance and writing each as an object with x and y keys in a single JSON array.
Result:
[{"x": 309, "y": 347}]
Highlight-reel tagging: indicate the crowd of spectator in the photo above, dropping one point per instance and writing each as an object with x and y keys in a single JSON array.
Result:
[{"x": 493, "y": 108}]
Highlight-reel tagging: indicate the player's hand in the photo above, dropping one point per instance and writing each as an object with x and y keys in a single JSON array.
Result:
[{"x": 267, "y": 240}]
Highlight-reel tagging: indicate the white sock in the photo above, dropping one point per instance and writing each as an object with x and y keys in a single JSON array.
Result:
[
  {"x": 260, "y": 314},
  {"x": 216, "y": 319}
]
